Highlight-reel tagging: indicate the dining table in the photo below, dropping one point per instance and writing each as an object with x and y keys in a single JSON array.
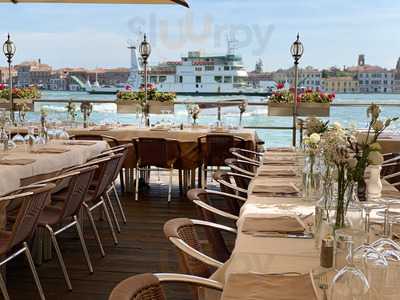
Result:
[{"x": 266, "y": 254}]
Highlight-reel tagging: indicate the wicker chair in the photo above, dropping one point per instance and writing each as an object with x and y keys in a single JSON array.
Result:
[
  {"x": 182, "y": 233},
  {"x": 391, "y": 169},
  {"x": 148, "y": 286},
  {"x": 78, "y": 183},
  {"x": 212, "y": 144},
  {"x": 207, "y": 212},
  {"x": 122, "y": 149},
  {"x": 34, "y": 199},
  {"x": 233, "y": 184},
  {"x": 245, "y": 154},
  {"x": 240, "y": 166},
  {"x": 160, "y": 153}
]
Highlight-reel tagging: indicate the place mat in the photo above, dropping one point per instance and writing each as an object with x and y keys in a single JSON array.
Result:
[
  {"x": 160, "y": 129},
  {"x": 276, "y": 189},
  {"x": 279, "y": 160},
  {"x": 79, "y": 143},
  {"x": 17, "y": 162},
  {"x": 101, "y": 128},
  {"x": 276, "y": 172},
  {"x": 49, "y": 150},
  {"x": 391, "y": 194},
  {"x": 250, "y": 286},
  {"x": 274, "y": 224}
]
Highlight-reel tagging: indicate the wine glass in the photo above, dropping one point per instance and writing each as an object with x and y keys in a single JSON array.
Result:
[
  {"x": 389, "y": 216},
  {"x": 349, "y": 282},
  {"x": 367, "y": 207}
]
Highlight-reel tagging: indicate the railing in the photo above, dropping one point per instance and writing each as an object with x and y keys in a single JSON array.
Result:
[{"x": 226, "y": 103}]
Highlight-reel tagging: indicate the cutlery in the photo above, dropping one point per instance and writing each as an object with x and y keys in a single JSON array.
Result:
[
  {"x": 306, "y": 236},
  {"x": 323, "y": 285}
]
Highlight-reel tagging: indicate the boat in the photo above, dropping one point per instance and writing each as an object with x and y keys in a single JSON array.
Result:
[{"x": 215, "y": 75}]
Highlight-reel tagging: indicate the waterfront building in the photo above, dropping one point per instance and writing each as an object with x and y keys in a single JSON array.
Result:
[
  {"x": 309, "y": 77},
  {"x": 345, "y": 84},
  {"x": 396, "y": 74},
  {"x": 372, "y": 79},
  {"x": 33, "y": 73},
  {"x": 5, "y": 77}
]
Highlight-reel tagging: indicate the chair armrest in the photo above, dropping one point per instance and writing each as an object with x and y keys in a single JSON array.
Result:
[
  {"x": 245, "y": 158},
  {"x": 169, "y": 277},
  {"x": 214, "y": 225},
  {"x": 225, "y": 195},
  {"x": 180, "y": 244},
  {"x": 392, "y": 175},
  {"x": 245, "y": 172},
  {"x": 391, "y": 160},
  {"x": 240, "y": 175},
  {"x": 215, "y": 210},
  {"x": 231, "y": 186}
]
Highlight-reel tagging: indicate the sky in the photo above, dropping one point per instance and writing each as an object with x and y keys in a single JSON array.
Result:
[{"x": 333, "y": 32}]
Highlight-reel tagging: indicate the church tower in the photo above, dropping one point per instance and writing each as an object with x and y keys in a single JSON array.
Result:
[
  {"x": 361, "y": 60},
  {"x": 134, "y": 76}
]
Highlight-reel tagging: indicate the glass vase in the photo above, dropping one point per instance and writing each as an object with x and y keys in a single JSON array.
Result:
[{"x": 312, "y": 177}]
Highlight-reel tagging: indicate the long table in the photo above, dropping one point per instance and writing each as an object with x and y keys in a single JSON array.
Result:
[
  {"x": 11, "y": 176},
  {"x": 266, "y": 255}
]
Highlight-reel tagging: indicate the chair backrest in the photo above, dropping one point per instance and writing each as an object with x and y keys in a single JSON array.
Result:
[
  {"x": 213, "y": 144},
  {"x": 184, "y": 229},
  {"x": 233, "y": 205},
  {"x": 157, "y": 152},
  {"x": 241, "y": 166},
  {"x": 217, "y": 242},
  {"x": 96, "y": 137},
  {"x": 105, "y": 173},
  {"x": 76, "y": 191},
  {"x": 33, "y": 203},
  {"x": 148, "y": 286},
  {"x": 139, "y": 287}
]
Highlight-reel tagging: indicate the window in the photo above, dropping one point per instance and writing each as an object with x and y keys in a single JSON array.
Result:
[
  {"x": 228, "y": 79},
  {"x": 198, "y": 79},
  {"x": 180, "y": 79},
  {"x": 162, "y": 78},
  {"x": 198, "y": 69},
  {"x": 218, "y": 79},
  {"x": 209, "y": 68},
  {"x": 153, "y": 79},
  {"x": 226, "y": 68}
]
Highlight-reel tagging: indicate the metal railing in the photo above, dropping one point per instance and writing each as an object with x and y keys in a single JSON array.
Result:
[{"x": 227, "y": 103}]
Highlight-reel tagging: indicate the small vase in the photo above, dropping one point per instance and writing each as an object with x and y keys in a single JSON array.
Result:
[
  {"x": 312, "y": 178},
  {"x": 374, "y": 183}
]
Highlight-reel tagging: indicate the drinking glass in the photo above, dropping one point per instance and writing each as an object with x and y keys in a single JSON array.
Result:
[
  {"x": 30, "y": 137},
  {"x": 367, "y": 207},
  {"x": 63, "y": 134},
  {"x": 349, "y": 283}
]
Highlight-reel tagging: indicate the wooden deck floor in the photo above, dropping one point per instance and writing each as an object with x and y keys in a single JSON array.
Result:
[{"x": 142, "y": 248}]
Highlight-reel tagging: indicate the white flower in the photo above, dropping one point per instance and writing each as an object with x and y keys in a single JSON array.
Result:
[
  {"x": 378, "y": 125},
  {"x": 315, "y": 138},
  {"x": 337, "y": 126}
]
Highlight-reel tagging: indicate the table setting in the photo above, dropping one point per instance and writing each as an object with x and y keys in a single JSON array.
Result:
[{"x": 349, "y": 246}]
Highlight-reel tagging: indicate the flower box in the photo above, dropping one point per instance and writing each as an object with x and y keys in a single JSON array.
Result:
[
  {"x": 313, "y": 109},
  {"x": 303, "y": 109},
  {"x": 5, "y": 104},
  {"x": 131, "y": 108},
  {"x": 155, "y": 107}
]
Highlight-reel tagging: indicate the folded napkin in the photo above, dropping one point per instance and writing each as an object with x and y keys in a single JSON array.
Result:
[
  {"x": 50, "y": 150},
  {"x": 80, "y": 143},
  {"x": 17, "y": 162},
  {"x": 273, "y": 224},
  {"x": 275, "y": 189},
  {"x": 269, "y": 287},
  {"x": 279, "y": 160},
  {"x": 276, "y": 172}
]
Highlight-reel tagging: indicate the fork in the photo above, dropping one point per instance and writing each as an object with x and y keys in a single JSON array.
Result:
[{"x": 323, "y": 285}]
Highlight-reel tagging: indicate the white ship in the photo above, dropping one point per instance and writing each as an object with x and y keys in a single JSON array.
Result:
[{"x": 205, "y": 75}]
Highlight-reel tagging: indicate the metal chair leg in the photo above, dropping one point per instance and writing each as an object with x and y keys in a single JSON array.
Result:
[
  {"x": 59, "y": 256},
  {"x": 83, "y": 244},
  {"x": 170, "y": 184},
  {"x": 33, "y": 269},
  {"x": 114, "y": 216},
  {"x": 110, "y": 225},
  {"x": 94, "y": 227},
  {"x": 3, "y": 288},
  {"x": 137, "y": 184},
  {"x": 121, "y": 209}
]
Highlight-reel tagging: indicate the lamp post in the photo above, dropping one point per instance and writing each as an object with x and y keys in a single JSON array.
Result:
[
  {"x": 145, "y": 51},
  {"x": 296, "y": 50},
  {"x": 9, "y": 51}
]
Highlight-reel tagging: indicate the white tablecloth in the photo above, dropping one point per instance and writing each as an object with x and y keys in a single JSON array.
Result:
[{"x": 11, "y": 175}]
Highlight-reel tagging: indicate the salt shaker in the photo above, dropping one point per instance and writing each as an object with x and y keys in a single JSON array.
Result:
[{"x": 326, "y": 257}]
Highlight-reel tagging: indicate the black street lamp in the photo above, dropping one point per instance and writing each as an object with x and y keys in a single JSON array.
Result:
[
  {"x": 9, "y": 51},
  {"x": 145, "y": 51},
  {"x": 297, "y": 51}
]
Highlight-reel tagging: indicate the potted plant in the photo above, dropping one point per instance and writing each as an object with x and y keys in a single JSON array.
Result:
[
  {"x": 23, "y": 98},
  {"x": 134, "y": 101},
  {"x": 309, "y": 103}
]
